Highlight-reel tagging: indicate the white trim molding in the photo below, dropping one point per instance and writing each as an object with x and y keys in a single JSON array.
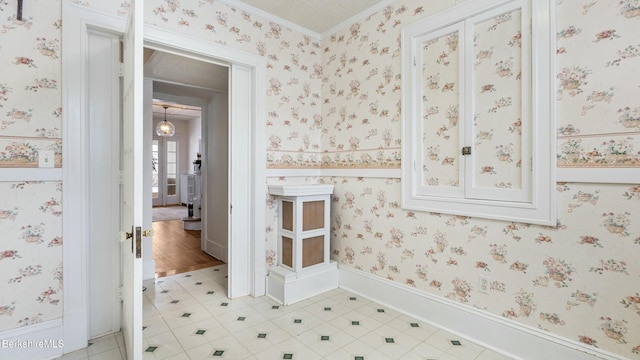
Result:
[
  {"x": 491, "y": 331},
  {"x": 30, "y": 174},
  {"x": 39, "y": 341},
  {"x": 364, "y": 173},
  {"x": 320, "y": 172},
  {"x": 599, "y": 175}
]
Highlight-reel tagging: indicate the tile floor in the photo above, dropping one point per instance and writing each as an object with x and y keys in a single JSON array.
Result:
[{"x": 188, "y": 317}]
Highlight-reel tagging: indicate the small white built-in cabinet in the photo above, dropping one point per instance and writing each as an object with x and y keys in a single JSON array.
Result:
[{"x": 304, "y": 266}]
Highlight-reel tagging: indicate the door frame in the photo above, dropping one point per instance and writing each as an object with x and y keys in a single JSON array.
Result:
[{"x": 247, "y": 250}]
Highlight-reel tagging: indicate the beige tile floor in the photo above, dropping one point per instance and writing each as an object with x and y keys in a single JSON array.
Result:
[{"x": 188, "y": 317}]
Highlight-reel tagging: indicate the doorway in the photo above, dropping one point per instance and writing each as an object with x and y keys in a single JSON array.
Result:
[
  {"x": 179, "y": 243},
  {"x": 247, "y": 106},
  {"x": 197, "y": 104}
]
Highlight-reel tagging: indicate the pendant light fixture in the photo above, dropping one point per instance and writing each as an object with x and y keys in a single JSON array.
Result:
[{"x": 164, "y": 127}]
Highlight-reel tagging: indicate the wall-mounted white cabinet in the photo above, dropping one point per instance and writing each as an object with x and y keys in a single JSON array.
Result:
[{"x": 478, "y": 115}]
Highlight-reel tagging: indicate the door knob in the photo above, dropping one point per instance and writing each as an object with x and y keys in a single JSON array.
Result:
[{"x": 147, "y": 233}]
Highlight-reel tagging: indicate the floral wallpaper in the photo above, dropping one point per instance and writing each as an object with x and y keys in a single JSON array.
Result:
[
  {"x": 498, "y": 117},
  {"x": 598, "y": 66},
  {"x": 578, "y": 279},
  {"x": 293, "y": 69},
  {"x": 30, "y": 253},
  {"x": 441, "y": 134},
  {"x": 30, "y": 121},
  {"x": 30, "y": 92},
  {"x": 335, "y": 103}
]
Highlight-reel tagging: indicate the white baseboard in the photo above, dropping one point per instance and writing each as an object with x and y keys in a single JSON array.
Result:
[
  {"x": 491, "y": 331},
  {"x": 34, "y": 342},
  {"x": 217, "y": 250},
  {"x": 148, "y": 269},
  {"x": 287, "y": 287}
]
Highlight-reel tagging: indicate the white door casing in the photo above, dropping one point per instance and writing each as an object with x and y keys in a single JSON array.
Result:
[{"x": 78, "y": 20}]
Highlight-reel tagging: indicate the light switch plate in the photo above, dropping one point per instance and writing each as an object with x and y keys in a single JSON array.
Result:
[{"x": 46, "y": 158}]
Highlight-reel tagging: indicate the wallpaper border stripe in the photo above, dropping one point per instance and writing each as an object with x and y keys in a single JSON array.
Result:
[{"x": 490, "y": 331}]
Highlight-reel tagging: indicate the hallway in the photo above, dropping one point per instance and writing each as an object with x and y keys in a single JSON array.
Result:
[
  {"x": 176, "y": 250},
  {"x": 188, "y": 317}
]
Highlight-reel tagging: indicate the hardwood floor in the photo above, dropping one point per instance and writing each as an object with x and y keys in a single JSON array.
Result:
[{"x": 176, "y": 250}]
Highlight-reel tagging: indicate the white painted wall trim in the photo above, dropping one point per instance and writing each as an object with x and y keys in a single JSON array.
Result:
[
  {"x": 364, "y": 173},
  {"x": 599, "y": 175},
  {"x": 40, "y": 341},
  {"x": 575, "y": 175},
  {"x": 277, "y": 173},
  {"x": 488, "y": 330},
  {"x": 31, "y": 174}
]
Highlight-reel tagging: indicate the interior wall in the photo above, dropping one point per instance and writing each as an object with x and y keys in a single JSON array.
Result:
[
  {"x": 195, "y": 138},
  {"x": 31, "y": 202},
  {"x": 577, "y": 280},
  {"x": 216, "y": 180},
  {"x": 183, "y": 135},
  {"x": 595, "y": 49}
]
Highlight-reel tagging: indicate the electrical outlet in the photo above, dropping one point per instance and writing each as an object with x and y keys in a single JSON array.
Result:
[{"x": 484, "y": 284}]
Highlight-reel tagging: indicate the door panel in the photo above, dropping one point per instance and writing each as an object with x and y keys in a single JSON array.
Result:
[
  {"x": 215, "y": 177},
  {"x": 103, "y": 210},
  {"x": 165, "y": 186},
  {"x": 171, "y": 151},
  {"x": 133, "y": 189}
]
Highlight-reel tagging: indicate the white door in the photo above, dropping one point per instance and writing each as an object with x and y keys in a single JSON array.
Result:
[
  {"x": 165, "y": 180},
  {"x": 133, "y": 184}
]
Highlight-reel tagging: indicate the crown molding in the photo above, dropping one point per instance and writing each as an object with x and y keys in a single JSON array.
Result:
[
  {"x": 356, "y": 18},
  {"x": 269, "y": 16}
]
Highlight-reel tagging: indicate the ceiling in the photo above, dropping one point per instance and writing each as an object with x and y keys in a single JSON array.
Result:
[
  {"x": 175, "y": 112},
  {"x": 182, "y": 70},
  {"x": 316, "y": 15},
  {"x": 181, "y": 76}
]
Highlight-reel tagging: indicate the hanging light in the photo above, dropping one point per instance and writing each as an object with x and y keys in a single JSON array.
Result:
[{"x": 164, "y": 127}]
